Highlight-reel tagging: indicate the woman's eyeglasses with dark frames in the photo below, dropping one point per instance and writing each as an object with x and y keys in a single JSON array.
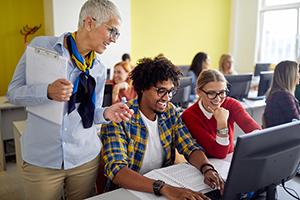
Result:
[{"x": 213, "y": 94}]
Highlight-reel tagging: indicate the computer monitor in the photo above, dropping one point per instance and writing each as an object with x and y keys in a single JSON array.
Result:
[
  {"x": 184, "y": 69},
  {"x": 263, "y": 159},
  {"x": 107, "y": 97},
  {"x": 260, "y": 67},
  {"x": 107, "y": 74},
  {"x": 182, "y": 96},
  {"x": 238, "y": 85},
  {"x": 265, "y": 81}
]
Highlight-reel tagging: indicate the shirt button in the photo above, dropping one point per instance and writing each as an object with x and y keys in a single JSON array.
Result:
[{"x": 65, "y": 129}]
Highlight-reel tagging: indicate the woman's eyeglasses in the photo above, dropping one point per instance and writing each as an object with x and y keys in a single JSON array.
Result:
[
  {"x": 113, "y": 32},
  {"x": 213, "y": 94}
]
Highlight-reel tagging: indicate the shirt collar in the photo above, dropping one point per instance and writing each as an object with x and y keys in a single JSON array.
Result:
[
  {"x": 58, "y": 45},
  {"x": 207, "y": 114}
]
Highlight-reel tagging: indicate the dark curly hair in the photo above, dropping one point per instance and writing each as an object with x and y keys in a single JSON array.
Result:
[{"x": 149, "y": 72}]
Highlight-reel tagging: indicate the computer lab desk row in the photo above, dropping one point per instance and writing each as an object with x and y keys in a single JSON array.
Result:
[{"x": 8, "y": 114}]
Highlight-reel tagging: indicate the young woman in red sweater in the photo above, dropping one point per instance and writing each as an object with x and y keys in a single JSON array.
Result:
[{"x": 211, "y": 119}]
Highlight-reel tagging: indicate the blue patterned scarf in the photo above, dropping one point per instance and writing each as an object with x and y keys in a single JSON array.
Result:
[{"x": 84, "y": 86}]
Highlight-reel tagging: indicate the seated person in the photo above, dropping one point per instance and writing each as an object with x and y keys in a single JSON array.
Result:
[
  {"x": 281, "y": 104},
  {"x": 226, "y": 65},
  {"x": 121, "y": 83},
  {"x": 200, "y": 61},
  {"x": 211, "y": 119},
  {"x": 149, "y": 140}
]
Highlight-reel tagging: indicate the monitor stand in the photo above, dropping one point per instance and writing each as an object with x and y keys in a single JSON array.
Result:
[{"x": 271, "y": 192}]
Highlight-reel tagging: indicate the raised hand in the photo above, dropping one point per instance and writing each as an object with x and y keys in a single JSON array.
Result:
[{"x": 118, "y": 112}]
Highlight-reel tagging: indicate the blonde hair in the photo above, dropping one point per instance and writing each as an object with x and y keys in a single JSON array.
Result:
[
  {"x": 285, "y": 77},
  {"x": 223, "y": 58},
  {"x": 209, "y": 75},
  {"x": 100, "y": 10}
]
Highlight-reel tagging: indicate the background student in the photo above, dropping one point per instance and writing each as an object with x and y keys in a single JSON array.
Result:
[
  {"x": 149, "y": 139},
  {"x": 226, "y": 65},
  {"x": 211, "y": 119},
  {"x": 64, "y": 158},
  {"x": 122, "y": 87},
  {"x": 281, "y": 104},
  {"x": 200, "y": 61}
]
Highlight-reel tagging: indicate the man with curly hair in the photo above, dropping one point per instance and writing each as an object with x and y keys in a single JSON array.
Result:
[{"x": 149, "y": 139}]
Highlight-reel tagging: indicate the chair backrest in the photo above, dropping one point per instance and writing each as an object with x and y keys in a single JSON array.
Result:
[{"x": 182, "y": 96}]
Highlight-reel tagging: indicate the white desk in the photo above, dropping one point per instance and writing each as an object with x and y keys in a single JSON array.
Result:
[
  {"x": 8, "y": 114},
  {"x": 126, "y": 195}
]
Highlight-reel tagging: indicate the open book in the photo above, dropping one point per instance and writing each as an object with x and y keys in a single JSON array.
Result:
[{"x": 183, "y": 175}]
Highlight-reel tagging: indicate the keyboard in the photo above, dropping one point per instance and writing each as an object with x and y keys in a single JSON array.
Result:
[
  {"x": 214, "y": 195},
  {"x": 256, "y": 98}
]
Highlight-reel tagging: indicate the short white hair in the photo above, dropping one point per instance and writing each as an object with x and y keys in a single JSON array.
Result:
[{"x": 100, "y": 10}]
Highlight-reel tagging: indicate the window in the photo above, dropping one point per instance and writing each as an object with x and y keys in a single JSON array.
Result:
[{"x": 279, "y": 31}]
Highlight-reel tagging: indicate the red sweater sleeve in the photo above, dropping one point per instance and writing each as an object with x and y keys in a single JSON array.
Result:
[
  {"x": 204, "y": 131},
  {"x": 241, "y": 116}
]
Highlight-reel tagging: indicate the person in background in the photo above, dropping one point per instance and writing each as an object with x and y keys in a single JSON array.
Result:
[
  {"x": 64, "y": 158},
  {"x": 200, "y": 61},
  {"x": 281, "y": 104},
  {"x": 226, "y": 65},
  {"x": 148, "y": 141},
  {"x": 211, "y": 119},
  {"x": 126, "y": 57},
  {"x": 122, "y": 87}
]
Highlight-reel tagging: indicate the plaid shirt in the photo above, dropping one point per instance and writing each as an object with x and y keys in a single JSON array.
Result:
[{"x": 124, "y": 143}]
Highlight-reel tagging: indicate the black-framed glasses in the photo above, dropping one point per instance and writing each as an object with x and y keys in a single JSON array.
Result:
[
  {"x": 161, "y": 92},
  {"x": 113, "y": 32},
  {"x": 213, "y": 94}
]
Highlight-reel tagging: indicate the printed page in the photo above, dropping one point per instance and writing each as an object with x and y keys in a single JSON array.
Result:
[
  {"x": 183, "y": 175},
  {"x": 222, "y": 166},
  {"x": 45, "y": 66}
]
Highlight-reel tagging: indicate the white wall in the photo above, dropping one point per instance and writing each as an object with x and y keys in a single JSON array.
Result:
[
  {"x": 243, "y": 36},
  {"x": 62, "y": 16}
]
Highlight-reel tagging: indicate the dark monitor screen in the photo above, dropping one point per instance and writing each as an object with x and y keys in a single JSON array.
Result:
[
  {"x": 260, "y": 67},
  {"x": 238, "y": 85},
  {"x": 182, "y": 96},
  {"x": 107, "y": 97},
  {"x": 263, "y": 159},
  {"x": 184, "y": 69},
  {"x": 265, "y": 81},
  {"x": 107, "y": 74}
]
